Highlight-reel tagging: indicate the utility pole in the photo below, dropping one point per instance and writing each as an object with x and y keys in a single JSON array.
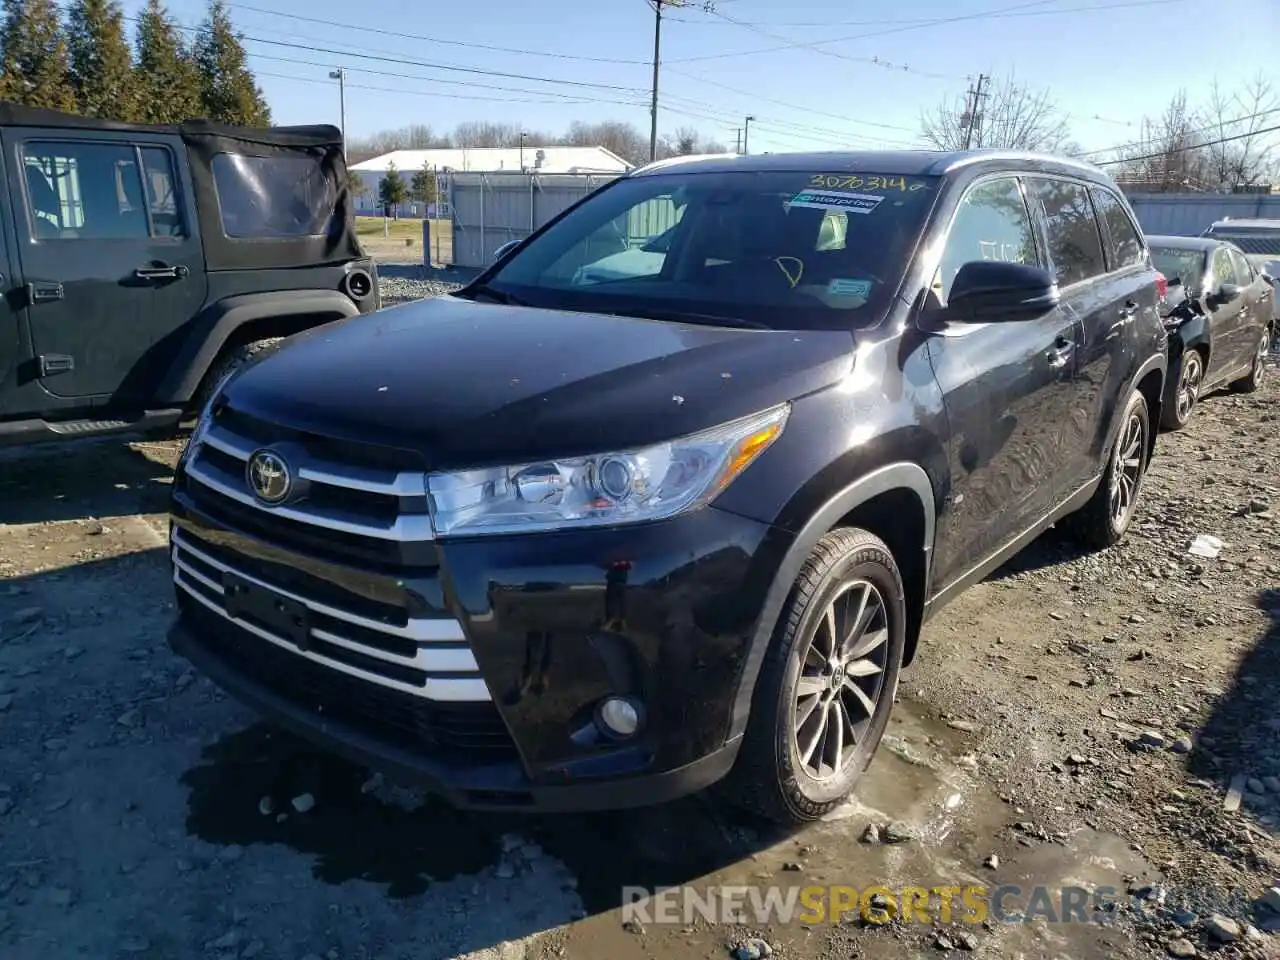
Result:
[
  {"x": 737, "y": 140},
  {"x": 341, "y": 76},
  {"x": 746, "y": 130},
  {"x": 522, "y": 136},
  {"x": 653, "y": 102},
  {"x": 972, "y": 107}
]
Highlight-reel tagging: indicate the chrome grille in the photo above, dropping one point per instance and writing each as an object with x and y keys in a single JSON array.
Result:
[
  {"x": 426, "y": 657},
  {"x": 363, "y": 501}
]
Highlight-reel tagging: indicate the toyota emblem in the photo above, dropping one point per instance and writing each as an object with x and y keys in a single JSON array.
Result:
[{"x": 269, "y": 476}]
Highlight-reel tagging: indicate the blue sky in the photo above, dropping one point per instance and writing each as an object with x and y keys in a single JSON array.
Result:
[{"x": 1107, "y": 62}]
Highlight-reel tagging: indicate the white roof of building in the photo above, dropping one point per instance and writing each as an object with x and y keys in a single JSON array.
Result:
[{"x": 495, "y": 159}]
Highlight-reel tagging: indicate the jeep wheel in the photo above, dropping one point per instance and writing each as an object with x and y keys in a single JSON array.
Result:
[
  {"x": 227, "y": 363},
  {"x": 1176, "y": 414},
  {"x": 825, "y": 690},
  {"x": 1102, "y": 522},
  {"x": 1254, "y": 380}
]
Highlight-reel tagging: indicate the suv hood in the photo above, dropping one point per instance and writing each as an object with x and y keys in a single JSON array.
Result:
[{"x": 478, "y": 384}]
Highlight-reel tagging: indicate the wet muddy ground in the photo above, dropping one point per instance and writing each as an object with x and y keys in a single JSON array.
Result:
[{"x": 143, "y": 814}]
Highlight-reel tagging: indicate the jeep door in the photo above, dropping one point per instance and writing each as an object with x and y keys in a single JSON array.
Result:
[
  {"x": 1007, "y": 388},
  {"x": 112, "y": 261}
]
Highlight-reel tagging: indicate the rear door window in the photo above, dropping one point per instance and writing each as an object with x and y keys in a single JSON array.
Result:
[
  {"x": 274, "y": 197},
  {"x": 1075, "y": 244},
  {"x": 1125, "y": 246},
  {"x": 95, "y": 190}
]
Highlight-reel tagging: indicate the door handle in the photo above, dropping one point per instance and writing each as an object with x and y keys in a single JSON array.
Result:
[
  {"x": 162, "y": 271},
  {"x": 44, "y": 292},
  {"x": 1060, "y": 353}
]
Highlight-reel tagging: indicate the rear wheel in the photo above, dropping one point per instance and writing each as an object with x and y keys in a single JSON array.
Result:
[
  {"x": 826, "y": 688},
  {"x": 1254, "y": 380},
  {"x": 1187, "y": 392},
  {"x": 1103, "y": 521}
]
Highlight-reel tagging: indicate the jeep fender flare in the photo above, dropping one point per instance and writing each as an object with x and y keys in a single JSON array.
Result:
[
  {"x": 902, "y": 475},
  {"x": 207, "y": 333}
]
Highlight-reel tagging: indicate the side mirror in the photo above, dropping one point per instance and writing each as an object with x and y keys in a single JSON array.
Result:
[
  {"x": 992, "y": 291},
  {"x": 1226, "y": 293},
  {"x": 503, "y": 250}
]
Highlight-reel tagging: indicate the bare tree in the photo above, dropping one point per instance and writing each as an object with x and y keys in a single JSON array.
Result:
[
  {"x": 1247, "y": 157},
  {"x": 1164, "y": 155},
  {"x": 686, "y": 141},
  {"x": 1010, "y": 115}
]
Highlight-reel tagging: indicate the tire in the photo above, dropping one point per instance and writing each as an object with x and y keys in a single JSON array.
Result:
[
  {"x": 1177, "y": 412},
  {"x": 1254, "y": 380},
  {"x": 1100, "y": 523},
  {"x": 227, "y": 363},
  {"x": 771, "y": 777}
]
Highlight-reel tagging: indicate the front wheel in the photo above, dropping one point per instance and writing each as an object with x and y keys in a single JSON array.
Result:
[
  {"x": 1191, "y": 375},
  {"x": 826, "y": 688},
  {"x": 1103, "y": 521},
  {"x": 1254, "y": 380}
]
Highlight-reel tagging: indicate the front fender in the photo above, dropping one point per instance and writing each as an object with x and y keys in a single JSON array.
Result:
[
  {"x": 207, "y": 333},
  {"x": 902, "y": 475}
]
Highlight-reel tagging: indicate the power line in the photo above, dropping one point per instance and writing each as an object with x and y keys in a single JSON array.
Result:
[
  {"x": 417, "y": 36},
  {"x": 788, "y": 106},
  {"x": 817, "y": 46},
  {"x": 430, "y": 65},
  {"x": 422, "y": 93},
  {"x": 1197, "y": 146},
  {"x": 1196, "y": 132}
]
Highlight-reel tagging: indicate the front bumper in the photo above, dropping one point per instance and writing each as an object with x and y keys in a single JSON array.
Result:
[{"x": 660, "y": 612}]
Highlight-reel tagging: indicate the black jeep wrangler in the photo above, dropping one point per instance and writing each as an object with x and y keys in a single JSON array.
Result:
[{"x": 140, "y": 264}]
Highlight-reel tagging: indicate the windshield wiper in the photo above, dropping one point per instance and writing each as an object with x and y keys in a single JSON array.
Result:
[
  {"x": 494, "y": 294},
  {"x": 705, "y": 319}
]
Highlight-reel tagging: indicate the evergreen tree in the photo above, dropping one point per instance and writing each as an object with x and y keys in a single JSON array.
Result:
[
  {"x": 392, "y": 192},
  {"x": 33, "y": 69},
  {"x": 423, "y": 186},
  {"x": 168, "y": 80},
  {"x": 230, "y": 94},
  {"x": 101, "y": 63}
]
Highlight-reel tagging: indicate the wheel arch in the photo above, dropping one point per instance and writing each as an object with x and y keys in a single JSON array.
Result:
[
  {"x": 234, "y": 321},
  {"x": 895, "y": 502}
]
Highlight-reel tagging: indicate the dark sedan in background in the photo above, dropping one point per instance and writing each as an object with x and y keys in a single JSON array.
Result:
[{"x": 1219, "y": 314}]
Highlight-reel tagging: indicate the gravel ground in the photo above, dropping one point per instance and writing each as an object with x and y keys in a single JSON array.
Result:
[
  {"x": 402, "y": 282},
  {"x": 1104, "y": 719}
]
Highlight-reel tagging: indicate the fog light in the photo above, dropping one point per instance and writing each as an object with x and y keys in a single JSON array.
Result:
[{"x": 620, "y": 718}]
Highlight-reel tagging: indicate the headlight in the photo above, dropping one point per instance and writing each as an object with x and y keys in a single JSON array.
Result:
[{"x": 645, "y": 484}]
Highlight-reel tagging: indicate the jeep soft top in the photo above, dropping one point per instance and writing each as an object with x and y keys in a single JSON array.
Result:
[{"x": 142, "y": 263}]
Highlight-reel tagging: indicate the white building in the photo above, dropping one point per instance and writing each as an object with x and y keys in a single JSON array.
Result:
[{"x": 529, "y": 159}]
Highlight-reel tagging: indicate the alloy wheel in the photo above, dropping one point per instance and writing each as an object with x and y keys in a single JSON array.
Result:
[
  {"x": 841, "y": 679},
  {"x": 1126, "y": 471},
  {"x": 1189, "y": 384}
]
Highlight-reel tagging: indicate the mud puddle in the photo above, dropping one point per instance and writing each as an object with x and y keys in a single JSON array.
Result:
[{"x": 250, "y": 785}]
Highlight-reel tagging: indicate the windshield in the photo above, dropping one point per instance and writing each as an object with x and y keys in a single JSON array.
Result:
[
  {"x": 1186, "y": 265},
  {"x": 782, "y": 249}
]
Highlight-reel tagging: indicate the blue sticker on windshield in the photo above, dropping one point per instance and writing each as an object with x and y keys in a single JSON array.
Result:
[
  {"x": 850, "y": 288},
  {"x": 837, "y": 200}
]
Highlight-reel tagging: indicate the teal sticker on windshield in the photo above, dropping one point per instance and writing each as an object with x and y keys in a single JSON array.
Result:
[
  {"x": 837, "y": 200},
  {"x": 849, "y": 288}
]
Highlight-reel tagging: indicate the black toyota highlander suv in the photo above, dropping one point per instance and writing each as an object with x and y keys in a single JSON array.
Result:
[{"x": 572, "y": 539}]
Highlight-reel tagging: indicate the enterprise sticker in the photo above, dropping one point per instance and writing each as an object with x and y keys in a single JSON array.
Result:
[
  {"x": 849, "y": 288},
  {"x": 837, "y": 200}
]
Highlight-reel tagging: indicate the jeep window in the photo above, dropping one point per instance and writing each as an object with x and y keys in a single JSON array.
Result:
[
  {"x": 162, "y": 193},
  {"x": 263, "y": 198},
  {"x": 1074, "y": 242},
  {"x": 991, "y": 223},
  {"x": 1262, "y": 241},
  {"x": 1187, "y": 265},
  {"x": 1126, "y": 244},
  {"x": 762, "y": 247},
  {"x": 89, "y": 190}
]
